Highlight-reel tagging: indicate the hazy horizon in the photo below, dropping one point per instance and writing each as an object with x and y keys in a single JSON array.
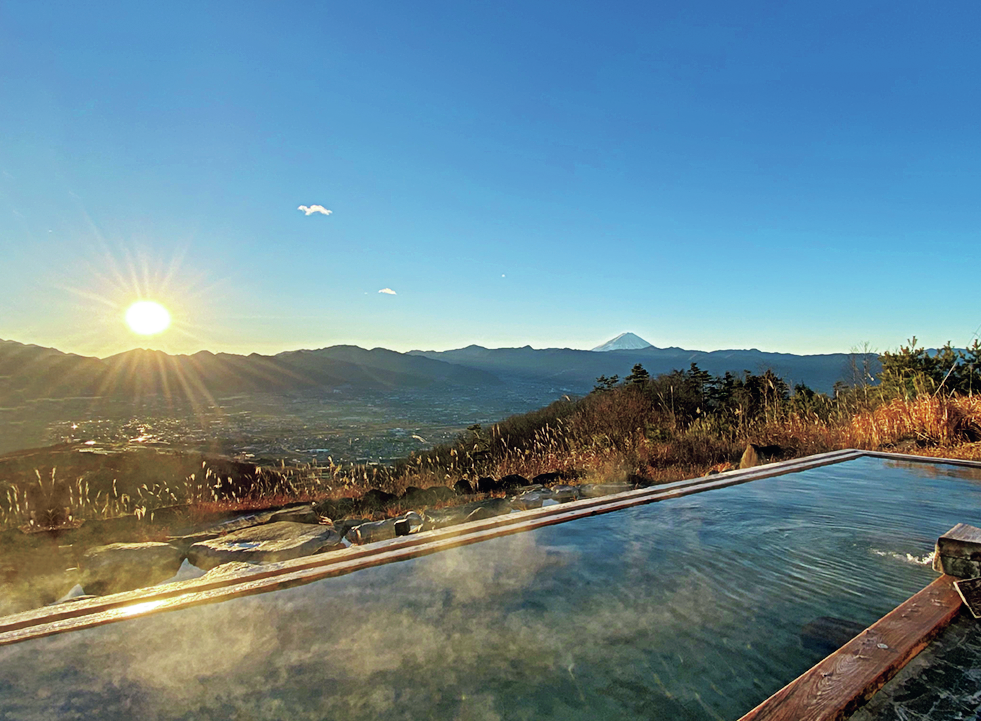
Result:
[
  {"x": 138, "y": 346},
  {"x": 278, "y": 178}
]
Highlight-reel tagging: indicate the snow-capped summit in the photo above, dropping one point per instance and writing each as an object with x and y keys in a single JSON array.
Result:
[{"x": 624, "y": 341}]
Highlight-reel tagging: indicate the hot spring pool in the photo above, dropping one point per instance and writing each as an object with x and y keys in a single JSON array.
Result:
[{"x": 690, "y": 608}]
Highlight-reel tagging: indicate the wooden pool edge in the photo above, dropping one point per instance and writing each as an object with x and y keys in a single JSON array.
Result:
[
  {"x": 838, "y": 685},
  {"x": 269, "y": 577}
]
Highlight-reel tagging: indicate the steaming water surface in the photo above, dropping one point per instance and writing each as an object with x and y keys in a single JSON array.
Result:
[{"x": 686, "y": 609}]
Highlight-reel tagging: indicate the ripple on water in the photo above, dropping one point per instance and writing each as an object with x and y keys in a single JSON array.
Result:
[{"x": 689, "y": 608}]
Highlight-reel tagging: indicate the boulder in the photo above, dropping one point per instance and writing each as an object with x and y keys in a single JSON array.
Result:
[
  {"x": 444, "y": 517},
  {"x": 531, "y": 499},
  {"x": 125, "y": 566},
  {"x": 371, "y": 532},
  {"x": 487, "y": 485},
  {"x": 411, "y": 522},
  {"x": 545, "y": 478},
  {"x": 756, "y": 455},
  {"x": 638, "y": 481},
  {"x": 413, "y": 495},
  {"x": 342, "y": 527},
  {"x": 377, "y": 498},
  {"x": 231, "y": 568},
  {"x": 442, "y": 493},
  {"x": 334, "y": 508},
  {"x": 422, "y": 497},
  {"x": 533, "y": 487},
  {"x": 509, "y": 483},
  {"x": 279, "y": 541},
  {"x": 184, "y": 543},
  {"x": 300, "y": 514},
  {"x": 563, "y": 494},
  {"x": 487, "y": 509},
  {"x": 463, "y": 487}
]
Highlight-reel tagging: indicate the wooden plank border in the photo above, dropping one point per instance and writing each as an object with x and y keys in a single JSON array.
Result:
[
  {"x": 834, "y": 688},
  {"x": 97, "y": 611},
  {"x": 922, "y": 459}
]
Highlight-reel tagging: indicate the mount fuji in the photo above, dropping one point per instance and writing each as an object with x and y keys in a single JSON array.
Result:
[{"x": 624, "y": 341}]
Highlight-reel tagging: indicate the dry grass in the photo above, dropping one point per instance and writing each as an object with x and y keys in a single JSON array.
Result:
[
  {"x": 926, "y": 421},
  {"x": 607, "y": 439}
]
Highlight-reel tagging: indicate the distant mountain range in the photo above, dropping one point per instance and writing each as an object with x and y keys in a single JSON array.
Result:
[
  {"x": 30, "y": 373},
  {"x": 577, "y": 370}
]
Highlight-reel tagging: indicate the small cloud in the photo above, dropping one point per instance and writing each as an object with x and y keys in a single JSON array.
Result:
[
  {"x": 388, "y": 291},
  {"x": 502, "y": 275},
  {"x": 311, "y": 209}
]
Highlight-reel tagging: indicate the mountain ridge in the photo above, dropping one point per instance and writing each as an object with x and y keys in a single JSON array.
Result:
[{"x": 31, "y": 372}]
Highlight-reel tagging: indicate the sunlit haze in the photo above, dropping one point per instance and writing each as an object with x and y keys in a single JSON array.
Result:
[{"x": 798, "y": 178}]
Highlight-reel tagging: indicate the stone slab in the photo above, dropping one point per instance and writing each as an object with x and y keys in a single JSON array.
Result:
[
  {"x": 279, "y": 541},
  {"x": 958, "y": 552}
]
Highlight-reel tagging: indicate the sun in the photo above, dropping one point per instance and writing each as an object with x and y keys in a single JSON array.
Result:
[{"x": 147, "y": 317}]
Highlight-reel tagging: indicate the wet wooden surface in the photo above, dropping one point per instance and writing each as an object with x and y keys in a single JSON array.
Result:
[{"x": 843, "y": 681}]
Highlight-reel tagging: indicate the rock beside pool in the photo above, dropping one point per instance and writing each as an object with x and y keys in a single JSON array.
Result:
[
  {"x": 595, "y": 490},
  {"x": 444, "y": 517},
  {"x": 958, "y": 552},
  {"x": 482, "y": 510},
  {"x": 335, "y": 508},
  {"x": 563, "y": 494},
  {"x": 422, "y": 497},
  {"x": 377, "y": 498},
  {"x": 371, "y": 532},
  {"x": 487, "y": 485},
  {"x": 232, "y": 568},
  {"x": 757, "y": 455},
  {"x": 529, "y": 500},
  {"x": 300, "y": 514},
  {"x": 443, "y": 493},
  {"x": 411, "y": 522},
  {"x": 279, "y": 541},
  {"x": 414, "y": 496},
  {"x": 509, "y": 483},
  {"x": 638, "y": 481},
  {"x": 125, "y": 566}
]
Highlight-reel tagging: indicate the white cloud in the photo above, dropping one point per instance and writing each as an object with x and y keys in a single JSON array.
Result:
[
  {"x": 388, "y": 291},
  {"x": 311, "y": 209}
]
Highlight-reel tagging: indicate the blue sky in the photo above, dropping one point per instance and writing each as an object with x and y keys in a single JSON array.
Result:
[{"x": 793, "y": 177}]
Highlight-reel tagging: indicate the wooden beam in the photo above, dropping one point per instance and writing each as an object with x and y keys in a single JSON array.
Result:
[{"x": 849, "y": 677}]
